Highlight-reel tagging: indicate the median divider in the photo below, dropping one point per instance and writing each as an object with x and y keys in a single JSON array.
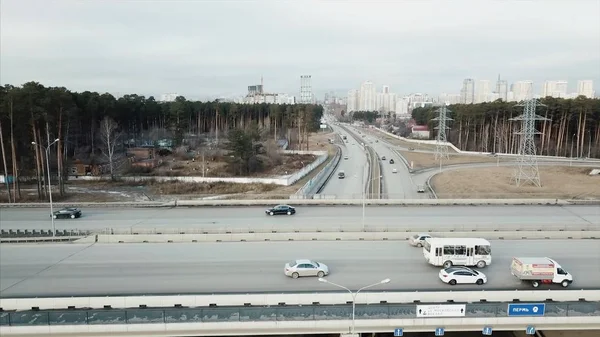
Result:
[
  {"x": 307, "y": 298},
  {"x": 330, "y": 236},
  {"x": 310, "y": 202}
]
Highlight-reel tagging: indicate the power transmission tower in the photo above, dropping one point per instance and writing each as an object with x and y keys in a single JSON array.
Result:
[
  {"x": 527, "y": 166},
  {"x": 441, "y": 144}
]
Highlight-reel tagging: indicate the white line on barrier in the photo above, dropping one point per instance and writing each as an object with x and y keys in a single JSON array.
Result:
[{"x": 299, "y": 299}]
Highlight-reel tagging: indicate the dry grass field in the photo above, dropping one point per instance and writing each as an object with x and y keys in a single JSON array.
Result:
[
  {"x": 426, "y": 160},
  {"x": 495, "y": 183}
]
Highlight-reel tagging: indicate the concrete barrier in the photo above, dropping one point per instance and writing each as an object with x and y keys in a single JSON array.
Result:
[
  {"x": 315, "y": 184},
  {"x": 341, "y": 236},
  {"x": 315, "y": 202},
  {"x": 274, "y": 299}
]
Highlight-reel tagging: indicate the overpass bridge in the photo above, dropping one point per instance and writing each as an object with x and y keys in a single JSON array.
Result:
[{"x": 300, "y": 313}]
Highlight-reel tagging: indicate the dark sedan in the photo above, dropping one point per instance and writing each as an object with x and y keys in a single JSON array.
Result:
[
  {"x": 281, "y": 209},
  {"x": 67, "y": 213}
]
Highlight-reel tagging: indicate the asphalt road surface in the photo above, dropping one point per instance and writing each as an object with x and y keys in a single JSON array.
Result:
[
  {"x": 129, "y": 269},
  {"x": 351, "y": 187},
  {"x": 315, "y": 217}
]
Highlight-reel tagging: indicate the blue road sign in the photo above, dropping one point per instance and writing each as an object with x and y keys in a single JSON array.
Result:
[
  {"x": 530, "y": 330},
  {"x": 487, "y": 331},
  {"x": 526, "y": 309},
  {"x": 439, "y": 331},
  {"x": 398, "y": 332}
]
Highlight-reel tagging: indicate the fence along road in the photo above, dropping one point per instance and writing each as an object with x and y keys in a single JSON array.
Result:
[
  {"x": 428, "y": 218},
  {"x": 171, "y": 268}
]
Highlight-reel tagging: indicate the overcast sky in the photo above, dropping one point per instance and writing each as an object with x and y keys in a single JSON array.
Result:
[{"x": 203, "y": 49}]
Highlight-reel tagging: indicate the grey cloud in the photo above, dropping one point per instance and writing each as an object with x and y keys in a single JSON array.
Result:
[{"x": 210, "y": 48}]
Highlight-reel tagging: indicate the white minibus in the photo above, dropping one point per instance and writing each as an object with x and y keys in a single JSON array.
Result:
[{"x": 448, "y": 252}]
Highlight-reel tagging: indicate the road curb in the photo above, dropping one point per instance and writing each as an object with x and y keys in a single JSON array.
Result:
[{"x": 339, "y": 236}]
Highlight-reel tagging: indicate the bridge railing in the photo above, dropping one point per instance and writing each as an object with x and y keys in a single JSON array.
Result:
[{"x": 277, "y": 313}]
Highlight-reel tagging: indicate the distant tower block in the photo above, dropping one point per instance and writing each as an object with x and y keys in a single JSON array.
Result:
[
  {"x": 527, "y": 171},
  {"x": 305, "y": 89},
  {"x": 441, "y": 143}
]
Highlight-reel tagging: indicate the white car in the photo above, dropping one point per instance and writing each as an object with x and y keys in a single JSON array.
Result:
[
  {"x": 462, "y": 275},
  {"x": 394, "y": 171},
  {"x": 418, "y": 240},
  {"x": 299, "y": 268}
]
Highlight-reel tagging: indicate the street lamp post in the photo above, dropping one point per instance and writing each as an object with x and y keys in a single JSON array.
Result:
[
  {"x": 354, "y": 294},
  {"x": 47, "y": 148},
  {"x": 363, "y": 197}
]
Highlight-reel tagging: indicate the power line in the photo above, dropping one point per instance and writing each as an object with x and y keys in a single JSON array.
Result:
[
  {"x": 527, "y": 170},
  {"x": 441, "y": 144}
]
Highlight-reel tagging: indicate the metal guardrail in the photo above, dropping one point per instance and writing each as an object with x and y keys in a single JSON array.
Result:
[
  {"x": 427, "y": 228},
  {"x": 262, "y": 314},
  {"x": 41, "y": 233}
]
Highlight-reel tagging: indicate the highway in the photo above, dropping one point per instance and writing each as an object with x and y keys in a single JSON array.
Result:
[
  {"x": 171, "y": 268},
  {"x": 398, "y": 185},
  {"x": 323, "y": 217},
  {"x": 354, "y": 167}
]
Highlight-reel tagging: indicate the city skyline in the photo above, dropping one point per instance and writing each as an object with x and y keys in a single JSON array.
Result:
[{"x": 156, "y": 47}]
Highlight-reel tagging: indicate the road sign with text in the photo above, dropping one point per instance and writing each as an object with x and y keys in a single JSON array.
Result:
[
  {"x": 526, "y": 309},
  {"x": 441, "y": 310}
]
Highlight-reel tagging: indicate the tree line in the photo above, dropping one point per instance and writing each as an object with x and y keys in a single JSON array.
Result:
[
  {"x": 33, "y": 115},
  {"x": 571, "y": 126}
]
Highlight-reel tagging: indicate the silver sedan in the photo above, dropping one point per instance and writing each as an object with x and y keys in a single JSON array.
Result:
[{"x": 299, "y": 268}]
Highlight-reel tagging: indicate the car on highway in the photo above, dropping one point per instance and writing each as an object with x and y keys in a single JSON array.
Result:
[
  {"x": 67, "y": 213},
  {"x": 391, "y": 161},
  {"x": 281, "y": 209},
  {"x": 418, "y": 240},
  {"x": 341, "y": 175},
  {"x": 394, "y": 171},
  {"x": 421, "y": 189},
  {"x": 304, "y": 267},
  {"x": 345, "y": 157},
  {"x": 462, "y": 275},
  {"x": 383, "y": 158}
]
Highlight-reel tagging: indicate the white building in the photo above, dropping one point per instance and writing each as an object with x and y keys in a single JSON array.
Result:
[
  {"x": 449, "y": 99},
  {"x": 467, "y": 93},
  {"x": 586, "y": 88},
  {"x": 555, "y": 89},
  {"x": 482, "y": 91},
  {"x": 522, "y": 90},
  {"x": 385, "y": 101},
  {"x": 367, "y": 97},
  {"x": 168, "y": 97},
  {"x": 402, "y": 105},
  {"x": 352, "y": 100}
]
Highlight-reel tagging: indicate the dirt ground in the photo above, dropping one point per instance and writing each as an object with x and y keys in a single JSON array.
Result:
[
  {"x": 496, "y": 183},
  {"x": 426, "y": 160},
  {"x": 217, "y": 168},
  {"x": 107, "y": 191}
]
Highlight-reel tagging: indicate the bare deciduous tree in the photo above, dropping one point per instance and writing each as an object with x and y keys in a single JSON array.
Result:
[{"x": 110, "y": 137}]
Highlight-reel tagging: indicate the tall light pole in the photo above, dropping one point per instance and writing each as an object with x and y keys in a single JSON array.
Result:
[
  {"x": 47, "y": 148},
  {"x": 354, "y": 294},
  {"x": 363, "y": 197}
]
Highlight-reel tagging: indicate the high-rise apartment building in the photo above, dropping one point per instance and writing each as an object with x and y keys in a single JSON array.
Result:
[
  {"x": 522, "y": 90},
  {"x": 386, "y": 89},
  {"x": 352, "y": 101},
  {"x": 467, "y": 93},
  {"x": 555, "y": 89},
  {"x": 385, "y": 101},
  {"x": 502, "y": 89},
  {"x": 586, "y": 88},
  {"x": 482, "y": 91},
  {"x": 449, "y": 98},
  {"x": 367, "y": 97},
  {"x": 306, "y": 96}
]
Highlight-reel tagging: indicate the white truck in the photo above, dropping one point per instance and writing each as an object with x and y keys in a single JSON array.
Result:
[{"x": 540, "y": 270}]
